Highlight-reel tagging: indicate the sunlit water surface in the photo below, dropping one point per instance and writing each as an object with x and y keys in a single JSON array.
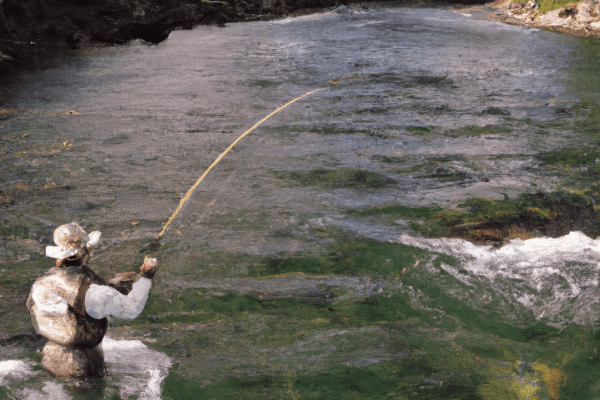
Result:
[{"x": 177, "y": 103}]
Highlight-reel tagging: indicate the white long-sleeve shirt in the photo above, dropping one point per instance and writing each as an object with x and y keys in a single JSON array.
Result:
[{"x": 102, "y": 301}]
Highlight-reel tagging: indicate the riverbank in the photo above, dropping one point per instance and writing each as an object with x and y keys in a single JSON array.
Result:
[
  {"x": 580, "y": 18},
  {"x": 34, "y": 32}
]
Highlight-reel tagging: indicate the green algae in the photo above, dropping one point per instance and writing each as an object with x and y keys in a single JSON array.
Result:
[
  {"x": 495, "y": 111},
  {"x": 423, "y": 374},
  {"x": 358, "y": 258},
  {"x": 266, "y": 84},
  {"x": 419, "y": 130},
  {"x": 449, "y": 343},
  {"x": 333, "y": 130},
  {"x": 344, "y": 178},
  {"x": 583, "y": 76},
  {"x": 583, "y": 369},
  {"x": 486, "y": 220},
  {"x": 580, "y": 162}
]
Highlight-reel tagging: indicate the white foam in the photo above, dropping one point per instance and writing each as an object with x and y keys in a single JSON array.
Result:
[
  {"x": 50, "y": 391},
  {"x": 15, "y": 370},
  {"x": 140, "y": 368},
  {"x": 556, "y": 278}
]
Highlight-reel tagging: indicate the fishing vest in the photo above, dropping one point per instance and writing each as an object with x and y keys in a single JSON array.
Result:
[{"x": 56, "y": 305}]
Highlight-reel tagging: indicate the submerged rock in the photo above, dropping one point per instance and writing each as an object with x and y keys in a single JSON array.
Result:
[{"x": 531, "y": 215}]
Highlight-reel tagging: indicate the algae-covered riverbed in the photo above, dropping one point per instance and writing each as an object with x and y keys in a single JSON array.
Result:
[{"x": 325, "y": 256}]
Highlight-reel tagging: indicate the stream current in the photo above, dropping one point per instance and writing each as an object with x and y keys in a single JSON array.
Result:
[{"x": 150, "y": 119}]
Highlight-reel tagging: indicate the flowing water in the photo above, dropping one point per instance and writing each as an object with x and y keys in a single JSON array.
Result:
[{"x": 117, "y": 135}]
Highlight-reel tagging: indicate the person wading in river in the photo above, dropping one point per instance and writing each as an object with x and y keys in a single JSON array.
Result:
[{"x": 70, "y": 304}]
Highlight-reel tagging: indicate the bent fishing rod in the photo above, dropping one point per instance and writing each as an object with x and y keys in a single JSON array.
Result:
[{"x": 155, "y": 245}]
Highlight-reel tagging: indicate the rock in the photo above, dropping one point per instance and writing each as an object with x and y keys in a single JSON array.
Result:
[
  {"x": 590, "y": 8},
  {"x": 570, "y": 10},
  {"x": 532, "y": 5},
  {"x": 581, "y": 19}
]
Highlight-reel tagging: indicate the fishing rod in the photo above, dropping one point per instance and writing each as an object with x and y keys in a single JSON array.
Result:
[{"x": 155, "y": 245}]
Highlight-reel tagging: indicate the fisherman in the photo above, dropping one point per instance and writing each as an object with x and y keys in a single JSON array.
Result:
[{"x": 70, "y": 304}]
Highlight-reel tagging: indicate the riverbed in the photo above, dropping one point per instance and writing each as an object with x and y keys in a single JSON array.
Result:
[{"x": 422, "y": 108}]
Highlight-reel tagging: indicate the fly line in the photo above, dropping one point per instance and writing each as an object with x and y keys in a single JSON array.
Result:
[{"x": 189, "y": 192}]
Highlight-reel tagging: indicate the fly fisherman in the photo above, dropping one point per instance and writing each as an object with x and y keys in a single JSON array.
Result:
[{"x": 70, "y": 303}]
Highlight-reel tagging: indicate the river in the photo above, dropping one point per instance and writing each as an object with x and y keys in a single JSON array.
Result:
[{"x": 446, "y": 104}]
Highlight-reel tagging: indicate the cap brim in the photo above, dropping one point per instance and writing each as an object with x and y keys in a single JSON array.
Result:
[{"x": 58, "y": 252}]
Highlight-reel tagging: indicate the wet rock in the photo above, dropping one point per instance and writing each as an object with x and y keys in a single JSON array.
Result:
[
  {"x": 570, "y": 10},
  {"x": 539, "y": 214}
]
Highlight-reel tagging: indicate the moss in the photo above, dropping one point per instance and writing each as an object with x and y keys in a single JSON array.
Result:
[{"x": 344, "y": 178}]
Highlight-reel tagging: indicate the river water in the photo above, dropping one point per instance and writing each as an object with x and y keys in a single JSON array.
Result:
[{"x": 148, "y": 120}]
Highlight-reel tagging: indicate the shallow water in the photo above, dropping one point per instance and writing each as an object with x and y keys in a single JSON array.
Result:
[{"x": 150, "y": 119}]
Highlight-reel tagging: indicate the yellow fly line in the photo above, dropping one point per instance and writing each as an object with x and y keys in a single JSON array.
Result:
[{"x": 189, "y": 192}]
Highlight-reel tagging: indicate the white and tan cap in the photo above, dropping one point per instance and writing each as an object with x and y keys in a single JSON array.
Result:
[{"x": 70, "y": 239}]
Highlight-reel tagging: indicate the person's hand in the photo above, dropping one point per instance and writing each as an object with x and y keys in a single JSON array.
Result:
[{"x": 149, "y": 267}]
